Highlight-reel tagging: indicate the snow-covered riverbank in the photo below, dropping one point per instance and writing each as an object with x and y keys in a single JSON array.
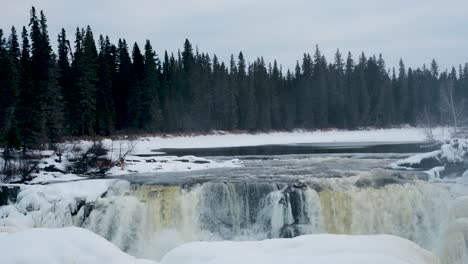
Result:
[
  {"x": 142, "y": 155},
  {"x": 409, "y": 134}
]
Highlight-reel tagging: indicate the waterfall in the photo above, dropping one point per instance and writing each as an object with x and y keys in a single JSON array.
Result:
[{"x": 149, "y": 220}]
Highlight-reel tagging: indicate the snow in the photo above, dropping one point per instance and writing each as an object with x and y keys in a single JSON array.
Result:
[
  {"x": 455, "y": 151},
  {"x": 77, "y": 245},
  {"x": 150, "y": 165},
  {"x": 58, "y": 246},
  {"x": 37, "y": 205},
  {"x": 50, "y": 177},
  {"x": 336, "y": 249},
  {"x": 416, "y": 159},
  {"x": 145, "y": 157},
  {"x": 409, "y": 134}
]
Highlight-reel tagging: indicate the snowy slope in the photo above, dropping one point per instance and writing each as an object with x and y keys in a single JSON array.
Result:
[
  {"x": 80, "y": 246},
  {"x": 60, "y": 246},
  {"x": 323, "y": 249}
]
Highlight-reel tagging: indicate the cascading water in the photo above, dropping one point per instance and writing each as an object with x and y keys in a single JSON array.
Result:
[{"x": 149, "y": 220}]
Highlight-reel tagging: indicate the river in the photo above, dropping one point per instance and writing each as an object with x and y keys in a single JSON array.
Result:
[{"x": 280, "y": 191}]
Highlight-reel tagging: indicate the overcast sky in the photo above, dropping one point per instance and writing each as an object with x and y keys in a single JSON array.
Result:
[{"x": 416, "y": 31}]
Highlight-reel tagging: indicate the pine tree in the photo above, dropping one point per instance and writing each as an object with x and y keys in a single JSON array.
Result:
[
  {"x": 124, "y": 80},
  {"x": 306, "y": 107},
  {"x": 363, "y": 92},
  {"x": 105, "y": 115},
  {"x": 64, "y": 78},
  {"x": 320, "y": 95},
  {"x": 84, "y": 76},
  {"x": 54, "y": 109},
  {"x": 335, "y": 89},
  {"x": 40, "y": 56},
  {"x": 9, "y": 81},
  {"x": 134, "y": 104},
  {"x": 351, "y": 94},
  {"x": 233, "y": 94},
  {"x": 151, "y": 115},
  {"x": 27, "y": 100},
  {"x": 402, "y": 93},
  {"x": 275, "y": 105},
  {"x": 246, "y": 95}
]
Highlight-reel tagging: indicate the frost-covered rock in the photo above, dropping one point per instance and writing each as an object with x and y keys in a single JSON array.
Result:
[
  {"x": 52, "y": 205},
  {"x": 450, "y": 161},
  {"x": 422, "y": 161}
]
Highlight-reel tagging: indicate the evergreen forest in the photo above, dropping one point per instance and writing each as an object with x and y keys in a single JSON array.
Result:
[{"x": 91, "y": 86}]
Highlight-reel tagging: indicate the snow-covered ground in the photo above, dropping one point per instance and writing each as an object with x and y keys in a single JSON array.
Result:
[
  {"x": 60, "y": 246},
  {"x": 38, "y": 205},
  {"x": 409, "y": 134},
  {"x": 144, "y": 156},
  {"x": 336, "y": 249},
  {"x": 80, "y": 246}
]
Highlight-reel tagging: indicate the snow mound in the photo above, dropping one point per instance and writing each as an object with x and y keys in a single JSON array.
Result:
[
  {"x": 58, "y": 246},
  {"x": 38, "y": 205},
  {"x": 336, "y": 249},
  {"x": 455, "y": 151},
  {"x": 450, "y": 161}
]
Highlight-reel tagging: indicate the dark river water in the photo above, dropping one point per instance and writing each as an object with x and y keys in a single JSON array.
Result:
[
  {"x": 315, "y": 148},
  {"x": 290, "y": 163}
]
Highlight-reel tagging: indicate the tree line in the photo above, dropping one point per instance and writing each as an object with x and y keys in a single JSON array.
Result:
[{"x": 94, "y": 87}]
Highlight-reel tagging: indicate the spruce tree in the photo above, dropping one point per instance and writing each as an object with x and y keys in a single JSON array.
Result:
[
  {"x": 64, "y": 79},
  {"x": 54, "y": 108},
  {"x": 105, "y": 112},
  {"x": 151, "y": 115},
  {"x": 134, "y": 103},
  {"x": 124, "y": 80},
  {"x": 84, "y": 77},
  {"x": 27, "y": 100},
  {"x": 9, "y": 80},
  {"x": 351, "y": 93},
  {"x": 402, "y": 93},
  {"x": 233, "y": 95}
]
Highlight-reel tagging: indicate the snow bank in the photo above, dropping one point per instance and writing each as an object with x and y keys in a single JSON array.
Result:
[
  {"x": 150, "y": 165},
  {"x": 238, "y": 140},
  {"x": 80, "y": 246},
  {"x": 336, "y": 249},
  {"x": 52, "y": 205},
  {"x": 450, "y": 161},
  {"x": 59, "y": 246},
  {"x": 455, "y": 151}
]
